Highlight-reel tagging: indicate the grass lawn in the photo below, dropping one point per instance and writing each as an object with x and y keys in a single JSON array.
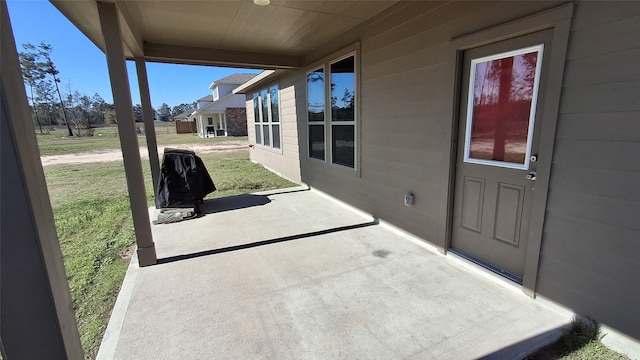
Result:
[
  {"x": 93, "y": 220},
  {"x": 579, "y": 342},
  {"x": 57, "y": 142}
]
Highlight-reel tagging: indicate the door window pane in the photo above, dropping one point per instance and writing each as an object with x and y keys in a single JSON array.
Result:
[
  {"x": 503, "y": 90},
  {"x": 315, "y": 95},
  {"x": 343, "y": 90},
  {"x": 275, "y": 134},
  {"x": 316, "y": 141},
  {"x": 342, "y": 145}
]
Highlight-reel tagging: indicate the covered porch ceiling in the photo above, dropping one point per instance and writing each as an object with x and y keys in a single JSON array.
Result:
[{"x": 225, "y": 32}]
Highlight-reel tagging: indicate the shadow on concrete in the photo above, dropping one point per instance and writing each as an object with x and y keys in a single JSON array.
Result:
[
  {"x": 236, "y": 202},
  {"x": 285, "y": 191},
  {"x": 527, "y": 347},
  {"x": 264, "y": 242}
]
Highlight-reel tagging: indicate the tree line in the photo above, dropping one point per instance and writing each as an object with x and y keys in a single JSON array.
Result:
[{"x": 54, "y": 103}]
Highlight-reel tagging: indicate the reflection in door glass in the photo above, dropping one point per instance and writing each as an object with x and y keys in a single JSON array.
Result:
[{"x": 503, "y": 109}]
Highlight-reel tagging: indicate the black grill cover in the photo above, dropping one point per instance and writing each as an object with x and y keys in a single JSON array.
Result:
[{"x": 184, "y": 181}]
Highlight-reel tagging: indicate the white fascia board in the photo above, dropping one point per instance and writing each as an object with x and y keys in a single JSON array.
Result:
[{"x": 263, "y": 75}]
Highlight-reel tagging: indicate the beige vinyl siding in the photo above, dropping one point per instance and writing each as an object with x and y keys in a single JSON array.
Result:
[
  {"x": 405, "y": 104},
  {"x": 284, "y": 161},
  {"x": 589, "y": 255}
]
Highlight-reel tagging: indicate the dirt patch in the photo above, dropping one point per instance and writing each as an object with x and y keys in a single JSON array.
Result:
[
  {"x": 116, "y": 155},
  {"x": 127, "y": 252}
]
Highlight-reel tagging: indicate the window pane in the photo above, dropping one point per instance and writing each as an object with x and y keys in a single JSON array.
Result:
[
  {"x": 275, "y": 104},
  {"x": 343, "y": 90},
  {"x": 265, "y": 135},
  {"x": 503, "y": 90},
  {"x": 315, "y": 95},
  {"x": 258, "y": 135},
  {"x": 265, "y": 105},
  {"x": 256, "y": 108},
  {"x": 316, "y": 141},
  {"x": 275, "y": 134},
  {"x": 343, "y": 145}
]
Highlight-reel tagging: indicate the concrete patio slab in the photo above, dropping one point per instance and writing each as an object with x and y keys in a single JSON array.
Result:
[{"x": 293, "y": 274}]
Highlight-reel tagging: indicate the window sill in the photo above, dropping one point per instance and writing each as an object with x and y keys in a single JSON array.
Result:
[{"x": 268, "y": 148}]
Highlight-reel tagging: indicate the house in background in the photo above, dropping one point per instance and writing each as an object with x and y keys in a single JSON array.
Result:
[
  {"x": 185, "y": 116},
  {"x": 185, "y": 124},
  {"x": 223, "y": 113}
]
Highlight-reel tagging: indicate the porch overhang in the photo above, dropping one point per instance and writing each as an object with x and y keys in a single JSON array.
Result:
[
  {"x": 238, "y": 33},
  {"x": 189, "y": 55}
]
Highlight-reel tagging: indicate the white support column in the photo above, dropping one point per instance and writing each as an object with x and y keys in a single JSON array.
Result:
[
  {"x": 126, "y": 127},
  {"x": 35, "y": 303},
  {"x": 224, "y": 119},
  {"x": 147, "y": 114}
]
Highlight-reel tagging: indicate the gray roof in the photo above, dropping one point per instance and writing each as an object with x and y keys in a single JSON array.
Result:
[
  {"x": 206, "y": 98},
  {"x": 234, "y": 79},
  {"x": 184, "y": 115}
]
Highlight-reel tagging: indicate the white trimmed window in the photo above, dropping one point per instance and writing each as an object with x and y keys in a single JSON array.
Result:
[
  {"x": 333, "y": 122},
  {"x": 266, "y": 109}
]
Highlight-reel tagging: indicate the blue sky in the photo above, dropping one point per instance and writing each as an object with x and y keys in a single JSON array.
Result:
[{"x": 84, "y": 65}]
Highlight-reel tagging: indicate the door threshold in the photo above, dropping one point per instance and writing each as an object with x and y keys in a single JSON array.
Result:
[{"x": 494, "y": 269}]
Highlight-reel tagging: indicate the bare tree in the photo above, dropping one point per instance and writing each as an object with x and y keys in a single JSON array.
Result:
[
  {"x": 164, "y": 109},
  {"x": 74, "y": 109},
  {"x": 44, "y": 94},
  {"x": 49, "y": 68},
  {"x": 98, "y": 109},
  {"x": 84, "y": 104},
  {"x": 179, "y": 109},
  {"x": 31, "y": 75},
  {"x": 71, "y": 101}
]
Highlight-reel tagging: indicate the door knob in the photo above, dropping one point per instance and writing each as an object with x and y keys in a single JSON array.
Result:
[{"x": 531, "y": 176}]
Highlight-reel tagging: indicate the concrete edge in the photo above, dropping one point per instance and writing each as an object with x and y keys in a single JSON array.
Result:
[
  {"x": 526, "y": 347},
  {"x": 541, "y": 342},
  {"x": 619, "y": 342},
  {"x": 116, "y": 320},
  {"x": 610, "y": 337},
  {"x": 292, "y": 189}
]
